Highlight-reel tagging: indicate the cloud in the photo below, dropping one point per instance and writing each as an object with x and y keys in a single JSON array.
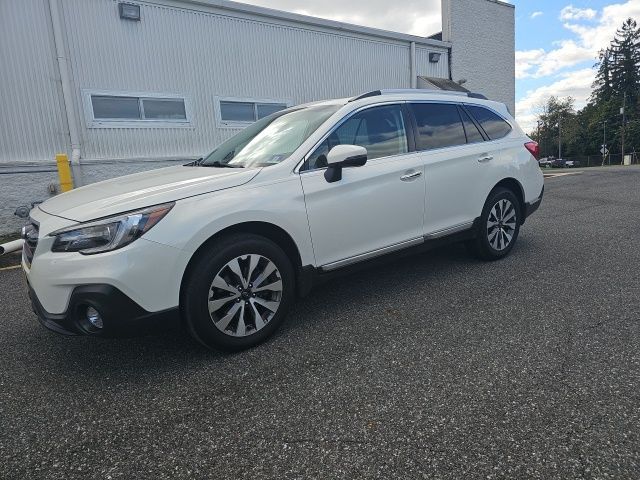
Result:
[
  {"x": 424, "y": 20},
  {"x": 598, "y": 36},
  {"x": 536, "y": 14},
  {"x": 590, "y": 35},
  {"x": 572, "y": 13},
  {"x": 576, "y": 84},
  {"x": 588, "y": 39},
  {"x": 567, "y": 54},
  {"x": 526, "y": 60}
]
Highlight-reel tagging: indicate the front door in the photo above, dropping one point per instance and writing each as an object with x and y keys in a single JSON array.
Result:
[{"x": 375, "y": 208}]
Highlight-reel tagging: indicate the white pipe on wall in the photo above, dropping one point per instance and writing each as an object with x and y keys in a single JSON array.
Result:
[
  {"x": 67, "y": 92},
  {"x": 414, "y": 77},
  {"x": 11, "y": 247}
]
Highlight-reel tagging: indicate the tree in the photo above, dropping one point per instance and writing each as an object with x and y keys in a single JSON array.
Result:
[
  {"x": 625, "y": 68},
  {"x": 602, "y": 88},
  {"x": 557, "y": 122},
  {"x": 617, "y": 82}
]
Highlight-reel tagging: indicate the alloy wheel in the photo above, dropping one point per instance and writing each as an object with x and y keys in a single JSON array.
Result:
[
  {"x": 501, "y": 224},
  {"x": 245, "y": 295}
]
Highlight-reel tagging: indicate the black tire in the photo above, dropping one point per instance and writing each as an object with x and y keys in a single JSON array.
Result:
[
  {"x": 480, "y": 246},
  {"x": 197, "y": 286}
]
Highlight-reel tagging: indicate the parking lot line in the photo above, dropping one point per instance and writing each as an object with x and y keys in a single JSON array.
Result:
[
  {"x": 13, "y": 267},
  {"x": 551, "y": 175}
]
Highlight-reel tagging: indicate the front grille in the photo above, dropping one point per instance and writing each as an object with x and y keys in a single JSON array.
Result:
[{"x": 30, "y": 235}]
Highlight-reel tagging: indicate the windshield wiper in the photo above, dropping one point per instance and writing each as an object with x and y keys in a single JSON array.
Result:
[{"x": 217, "y": 164}]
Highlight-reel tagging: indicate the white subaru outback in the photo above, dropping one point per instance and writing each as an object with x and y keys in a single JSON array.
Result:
[{"x": 227, "y": 242}]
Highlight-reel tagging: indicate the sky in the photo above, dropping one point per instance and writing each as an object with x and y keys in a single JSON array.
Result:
[{"x": 557, "y": 41}]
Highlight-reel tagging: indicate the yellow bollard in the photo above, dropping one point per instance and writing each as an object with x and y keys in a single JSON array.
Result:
[{"x": 64, "y": 172}]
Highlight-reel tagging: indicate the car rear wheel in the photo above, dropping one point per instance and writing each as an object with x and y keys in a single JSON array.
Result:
[
  {"x": 499, "y": 226},
  {"x": 238, "y": 293}
]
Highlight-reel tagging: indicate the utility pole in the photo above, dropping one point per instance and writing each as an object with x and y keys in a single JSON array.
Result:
[
  {"x": 623, "y": 111},
  {"x": 559, "y": 137},
  {"x": 539, "y": 138},
  {"x": 604, "y": 141}
]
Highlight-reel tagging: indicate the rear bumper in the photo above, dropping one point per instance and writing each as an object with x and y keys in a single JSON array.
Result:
[
  {"x": 531, "y": 207},
  {"x": 121, "y": 316}
]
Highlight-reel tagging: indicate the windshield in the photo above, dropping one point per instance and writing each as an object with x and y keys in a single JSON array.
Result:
[{"x": 270, "y": 140}]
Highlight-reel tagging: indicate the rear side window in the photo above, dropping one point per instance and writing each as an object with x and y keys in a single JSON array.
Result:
[
  {"x": 379, "y": 129},
  {"x": 493, "y": 125},
  {"x": 439, "y": 125},
  {"x": 473, "y": 134}
]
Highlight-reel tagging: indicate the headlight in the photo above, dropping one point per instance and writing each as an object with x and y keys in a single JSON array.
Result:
[{"x": 109, "y": 233}]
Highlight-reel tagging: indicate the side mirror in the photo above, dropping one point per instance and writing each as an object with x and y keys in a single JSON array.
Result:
[{"x": 342, "y": 156}]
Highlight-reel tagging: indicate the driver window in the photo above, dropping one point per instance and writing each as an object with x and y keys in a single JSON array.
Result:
[{"x": 379, "y": 129}]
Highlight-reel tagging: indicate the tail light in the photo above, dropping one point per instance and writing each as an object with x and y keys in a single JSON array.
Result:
[{"x": 533, "y": 148}]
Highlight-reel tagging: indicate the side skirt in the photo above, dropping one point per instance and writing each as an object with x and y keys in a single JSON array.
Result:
[{"x": 310, "y": 276}]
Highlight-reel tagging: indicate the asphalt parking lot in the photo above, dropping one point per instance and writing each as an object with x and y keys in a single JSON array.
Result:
[{"x": 433, "y": 366}]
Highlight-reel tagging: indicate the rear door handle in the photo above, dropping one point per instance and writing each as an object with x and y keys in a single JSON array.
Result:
[
  {"x": 486, "y": 158},
  {"x": 410, "y": 176}
]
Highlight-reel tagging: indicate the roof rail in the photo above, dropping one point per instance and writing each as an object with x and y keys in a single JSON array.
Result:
[{"x": 396, "y": 91}]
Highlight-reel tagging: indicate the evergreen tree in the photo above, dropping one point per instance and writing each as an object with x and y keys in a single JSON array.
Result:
[
  {"x": 602, "y": 88},
  {"x": 617, "y": 78},
  {"x": 625, "y": 68}
]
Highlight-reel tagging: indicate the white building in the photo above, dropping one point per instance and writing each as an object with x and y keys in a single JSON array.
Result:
[{"x": 167, "y": 84}]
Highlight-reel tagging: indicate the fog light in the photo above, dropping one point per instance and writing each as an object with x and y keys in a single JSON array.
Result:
[{"x": 94, "y": 317}]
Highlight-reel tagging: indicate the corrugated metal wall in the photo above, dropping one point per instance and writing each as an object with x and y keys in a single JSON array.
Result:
[
  {"x": 198, "y": 52},
  {"x": 32, "y": 122},
  {"x": 424, "y": 68}
]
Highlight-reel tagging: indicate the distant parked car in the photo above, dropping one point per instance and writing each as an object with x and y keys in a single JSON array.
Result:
[
  {"x": 572, "y": 163},
  {"x": 545, "y": 162},
  {"x": 559, "y": 163}
]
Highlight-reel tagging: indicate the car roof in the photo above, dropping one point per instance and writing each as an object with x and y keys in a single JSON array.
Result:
[{"x": 418, "y": 94}]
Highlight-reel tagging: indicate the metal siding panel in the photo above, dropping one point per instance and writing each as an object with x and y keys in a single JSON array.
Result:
[
  {"x": 32, "y": 123},
  {"x": 202, "y": 55},
  {"x": 428, "y": 69}
]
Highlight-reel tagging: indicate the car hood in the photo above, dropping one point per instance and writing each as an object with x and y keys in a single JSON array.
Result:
[{"x": 143, "y": 189}]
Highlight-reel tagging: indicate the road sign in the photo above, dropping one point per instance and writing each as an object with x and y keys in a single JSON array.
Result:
[{"x": 604, "y": 150}]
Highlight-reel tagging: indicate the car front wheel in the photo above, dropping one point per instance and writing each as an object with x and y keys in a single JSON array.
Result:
[{"x": 238, "y": 292}]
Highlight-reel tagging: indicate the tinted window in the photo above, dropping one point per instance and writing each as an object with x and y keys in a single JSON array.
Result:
[
  {"x": 439, "y": 125},
  {"x": 473, "y": 134},
  {"x": 379, "y": 129},
  {"x": 232, "y": 111},
  {"x": 266, "y": 109},
  {"x": 238, "y": 111},
  {"x": 119, "y": 108},
  {"x": 494, "y": 126},
  {"x": 164, "y": 109}
]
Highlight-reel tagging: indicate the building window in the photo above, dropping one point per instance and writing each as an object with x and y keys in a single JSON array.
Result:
[
  {"x": 116, "y": 108},
  {"x": 247, "y": 111},
  {"x": 163, "y": 109},
  {"x": 106, "y": 109}
]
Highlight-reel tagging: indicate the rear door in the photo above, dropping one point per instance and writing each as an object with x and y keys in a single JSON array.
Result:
[{"x": 455, "y": 155}]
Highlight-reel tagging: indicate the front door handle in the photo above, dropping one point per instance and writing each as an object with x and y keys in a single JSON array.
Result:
[
  {"x": 410, "y": 176},
  {"x": 486, "y": 158}
]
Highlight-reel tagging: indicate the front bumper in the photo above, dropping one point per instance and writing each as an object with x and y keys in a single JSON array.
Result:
[{"x": 121, "y": 316}]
